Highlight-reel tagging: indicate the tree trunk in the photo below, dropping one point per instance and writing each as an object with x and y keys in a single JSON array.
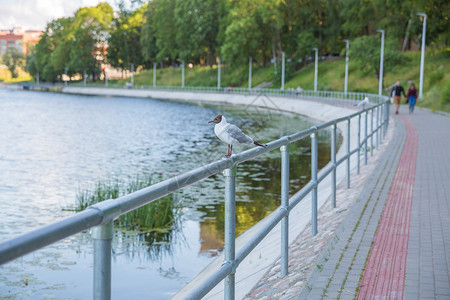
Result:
[
  {"x": 210, "y": 56},
  {"x": 405, "y": 42},
  {"x": 274, "y": 57}
]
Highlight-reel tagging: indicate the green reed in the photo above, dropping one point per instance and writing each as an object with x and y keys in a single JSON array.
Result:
[{"x": 159, "y": 216}]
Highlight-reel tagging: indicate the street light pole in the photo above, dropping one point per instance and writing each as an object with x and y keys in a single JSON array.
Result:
[
  {"x": 65, "y": 73},
  {"x": 154, "y": 74},
  {"x": 182, "y": 74},
  {"x": 250, "y": 73},
  {"x": 282, "y": 70},
  {"x": 380, "y": 80},
  {"x": 218, "y": 75},
  {"x": 422, "y": 54},
  {"x": 132, "y": 74},
  {"x": 346, "y": 66},
  {"x": 316, "y": 68}
]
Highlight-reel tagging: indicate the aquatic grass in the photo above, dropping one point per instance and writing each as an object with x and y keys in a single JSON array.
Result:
[{"x": 159, "y": 216}]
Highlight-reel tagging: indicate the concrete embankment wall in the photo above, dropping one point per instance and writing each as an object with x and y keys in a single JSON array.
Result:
[{"x": 267, "y": 252}]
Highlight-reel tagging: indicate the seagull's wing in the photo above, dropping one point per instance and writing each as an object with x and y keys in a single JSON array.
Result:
[{"x": 238, "y": 135}]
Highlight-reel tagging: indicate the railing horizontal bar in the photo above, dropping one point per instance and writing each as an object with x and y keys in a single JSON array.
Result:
[
  {"x": 325, "y": 172},
  {"x": 356, "y": 150},
  {"x": 340, "y": 161},
  {"x": 212, "y": 281},
  {"x": 260, "y": 235},
  {"x": 297, "y": 197},
  {"x": 44, "y": 236}
]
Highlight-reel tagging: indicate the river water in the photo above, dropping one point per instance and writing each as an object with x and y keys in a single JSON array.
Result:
[{"x": 55, "y": 146}]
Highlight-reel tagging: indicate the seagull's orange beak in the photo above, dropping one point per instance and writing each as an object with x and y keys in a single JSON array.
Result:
[{"x": 211, "y": 121}]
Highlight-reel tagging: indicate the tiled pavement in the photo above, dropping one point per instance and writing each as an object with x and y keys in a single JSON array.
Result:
[
  {"x": 428, "y": 261},
  {"x": 342, "y": 266}
]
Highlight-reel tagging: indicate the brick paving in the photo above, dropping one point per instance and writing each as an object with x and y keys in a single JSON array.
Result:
[
  {"x": 384, "y": 275},
  {"x": 306, "y": 251},
  {"x": 428, "y": 261},
  {"x": 393, "y": 241}
]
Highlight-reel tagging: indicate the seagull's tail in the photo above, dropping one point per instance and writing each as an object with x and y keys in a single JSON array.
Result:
[{"x": 259, "y": 144}]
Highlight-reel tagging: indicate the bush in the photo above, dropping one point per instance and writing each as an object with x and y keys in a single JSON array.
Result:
[{"x": 445, "y": 96}]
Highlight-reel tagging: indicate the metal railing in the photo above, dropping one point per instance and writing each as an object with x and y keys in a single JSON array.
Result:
[
  {"x": 289, "y": 92},
  {"x": 101, "y": 215}
]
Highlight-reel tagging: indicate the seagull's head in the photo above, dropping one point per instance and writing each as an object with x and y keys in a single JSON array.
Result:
[{"x": 217, "y": 119}]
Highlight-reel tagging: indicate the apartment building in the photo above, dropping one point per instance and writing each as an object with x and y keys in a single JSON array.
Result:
[{"x": 18, "y": 39}]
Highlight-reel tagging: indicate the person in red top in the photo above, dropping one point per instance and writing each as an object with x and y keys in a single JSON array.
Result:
[{"x": 411, "y": 97}]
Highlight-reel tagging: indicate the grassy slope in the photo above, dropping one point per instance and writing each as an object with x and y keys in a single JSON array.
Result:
[
  {"x": 5, "y": 75},
  {"x": 331, "y": 77}
]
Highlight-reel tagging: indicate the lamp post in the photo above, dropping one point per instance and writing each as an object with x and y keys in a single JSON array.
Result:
[
  {"x": 422, "y": 54},
  {"x": 154, "y": 74},
  {"x": 218, "y": 75},
  {"x": 346, "y": 66},
  {"x": 132, "y": 74},
  {"x": 182, "y": 74},
  {"x": 250, "y": 73},
  {"x": 380, "y": 80},
  {"x": 316, "y": 68},
  {"x": 282, "y": 69},
  {"x": 65, "y": 73}
]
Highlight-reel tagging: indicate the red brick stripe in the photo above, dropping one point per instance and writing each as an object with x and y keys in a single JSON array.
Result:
[{"x": 384, "y": 276}]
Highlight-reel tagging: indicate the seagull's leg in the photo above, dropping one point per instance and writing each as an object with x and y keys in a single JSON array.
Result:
[
  {"x": 229, "y": 152},
  {"x": 231, "y": 149}
]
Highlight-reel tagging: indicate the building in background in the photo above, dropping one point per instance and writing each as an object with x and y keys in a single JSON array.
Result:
[{"x": 18, "y": 39}]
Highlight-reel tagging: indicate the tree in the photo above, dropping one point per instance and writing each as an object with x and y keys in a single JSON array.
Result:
[
  {"x": 164, "y": 27},
  {"x": 13, "y": 59},
  {"x": 87, "y": 38},
  {"x": 147, "y": 41},
  {"x": 198, "y": 23},
  {"x": 124, "y": 41},
  {"x": 254, "y": 29},
  {"x": 366, "y": 51}
]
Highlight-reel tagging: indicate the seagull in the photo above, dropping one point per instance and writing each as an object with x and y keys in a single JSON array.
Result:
[
  {"x": 231, "y": 134},
  {"x": 363, "y": 103}
]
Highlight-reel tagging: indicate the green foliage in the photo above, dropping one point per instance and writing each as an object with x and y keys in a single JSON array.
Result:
[
  {"x": 199, "y": 31},
  {"x": 366, "y": 51},
  {"x": 77, "y": 43},
  {"x": 13, "y": 59},
  {"x": 125, "y": 39},
  {"x": 445, "y": 97},
  {"x": 159, "y": 216}
]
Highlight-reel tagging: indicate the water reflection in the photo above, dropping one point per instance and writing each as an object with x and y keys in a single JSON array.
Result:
[{"x": 53, "y": 145}]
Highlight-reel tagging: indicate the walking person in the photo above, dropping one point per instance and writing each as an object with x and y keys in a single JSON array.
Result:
[
  {"x": 411, "y": 97},
  {"x": 397, "y": 90}
]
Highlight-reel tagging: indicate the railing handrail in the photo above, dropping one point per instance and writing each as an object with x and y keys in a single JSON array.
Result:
[
  {"x": 103, "y": 213},
  {"x": 344, "y": 96}
]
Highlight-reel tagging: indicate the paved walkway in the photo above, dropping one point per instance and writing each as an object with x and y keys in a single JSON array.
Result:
[{"x": 395, "y": 241}]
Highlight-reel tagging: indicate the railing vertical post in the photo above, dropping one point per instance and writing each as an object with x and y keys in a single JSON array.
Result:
[
  {"x": 314, "y": 180},
  {"x": 230, "y": 230},
  {"x": 386, "y": 117},
  {"x": 380, "y": 123},
  {"x": 358, "y": 161},
  {"x": 371, "y": 132},
  {"x": 377, "y": 127},
  {"x": 365, "y": 140},
  {"x": 333, "y": 162},
  {"x": 102, "y": 236},
  {"x": 348, "y": 153},
  {"x": 284, "y": 204}
]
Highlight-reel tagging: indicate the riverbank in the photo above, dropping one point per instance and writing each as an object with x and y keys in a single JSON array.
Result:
[{"x": 257, "y": 264}]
